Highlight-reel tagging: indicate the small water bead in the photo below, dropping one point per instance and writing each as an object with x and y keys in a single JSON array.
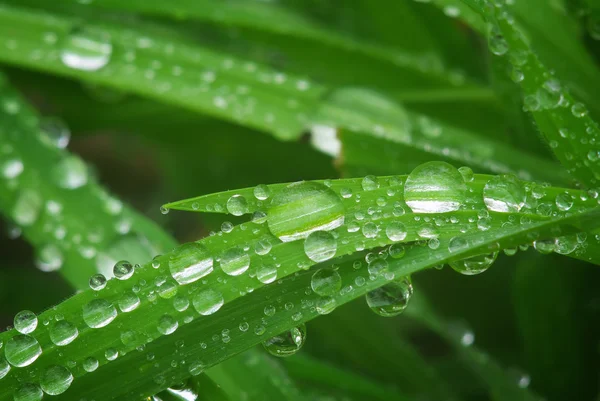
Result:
[
  {"x": 466, "y": 173},
  {"x": 167, "y": 324},
  {"x": 325, "y": 305},
  {"x": 237, "y": 205},
  {"x": 377, "y": 266},
  {"x": 346, "y": 193},
  {"x": 227, "y": 227},
  {"x": 370, "y": 230},
  {"x": 259, "y": 217},
  {"x": 545, "y": 246},
  {"x": 63, "y": 333},
  {"x": 392, "y": 298},
  {"x": 90, "y": 364},
  {"x": 28, "y": 392},
  {"x": 111, "y": 354},
  {"x": 262, "y": 192},
  {"x": 4, "y": 367},
  {"x": 123, "y": 270},
  {"x": 235, "y": 261},
  {"x": 86, "y": 50},
  {"x": 55, "y": 132},
  {"x": 302, "y": 208},
  {"x": 564, "y": 201},
  {"x": 263, "y": 247},
  {"x": 474, "y": 264},
  {"x": 320, "y": 246},
  {"x": 99, "y": 313},
  {"x": 326, "y": 281},
  {"x": 27, "y": 208},
  {"x": 190, "y": 262},
  {"x": 434, "y": 187},
  {"x": 22, "y": 350},
  {"x": 567, "y": 244},
  {"x": 181, "y": 303},
  {"x": 56, "y": 380},
  {"x": 206, "y": 302},
  {"x": 396, "y": 231},
  {"x": 266, "y": 274},
  {"x": 579, "y": 110},
  {"x": 396, "y": 251},
  {"x": 505, "y": 194},
  {"x": 164, "y": 210},
  {"x": 25, "y": 322},
  {"x": 129, "y": 302},
  {"x": 98, "y": 282},
  {"x": 370, "y": 183},
  {"x": 167, "y": 289},
  {"x": 70, "y": 173},
  {"x": 287, "y": 343},
  {"x": 496, "y": 43}
]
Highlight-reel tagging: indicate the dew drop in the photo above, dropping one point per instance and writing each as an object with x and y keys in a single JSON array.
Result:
[
  {"x": 22, "y": 350},
  {"x": 12, "y": 168},
  {"x": 392, "y": 298},
  {"x": 302, "y": 208},
  {"x": 545, "y": 246},
  {"x": 4, "y": 367},
  {"x": 28, "y": 392},
  {"x": 25, "y": 322},
  {"x": 90, "y": 364},
  {"x": 370, "y": 183},
  {"x": 287, "y": 343},
  {"x": 190, "y": 262},
  {"x": 237, "y": 205},
  {"x": 49, "y": 258},
  {"x": 86, "y": 50},
  {"x": 325, "y": 305},
  {"x": 27, "y": 208},
  {"x": 396, "y": 231},
  {"x": 98, "y": 282},
  {"x": 99, "y": 313},
  {"x": 123, "y": 270},
  {"x": 63, "y": 333},
  {"x": 262, "y": 192},
  {"x": 474, "y": 264},
  {"x": 56, "y": 380},
  {"x": 55, "y": 132},
  {"x": 434, "y": 187},
  {"x": 326, "y": 281},
  {"x": 504, "y": 193},
  {"x": 266, "y": 274},
  {"x": 207, "y": 302},
  {"x": 129, "y": 302},
  {"x": 564, "y": 201},
  {"x": 235, "y": 261},
  {"x": 70, "y": 173},
  {"x": 320, "y": 246},
  {"x": 167, "y": 324}
]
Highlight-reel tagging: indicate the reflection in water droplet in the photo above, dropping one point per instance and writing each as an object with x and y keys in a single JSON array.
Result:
[
  {"x": 235, "y": 261},
  {"x": 504, "y": 193},
  {"x": 287, "y": 343},
  {"x": 392, "y": 298},
  {"x": 99, "y": 313},
  {"x": 86, "y": 50},
  {"x": 190, "y": 262},
  {"x": 25, "y": 322},
  {"x": 434, "y": 187}
]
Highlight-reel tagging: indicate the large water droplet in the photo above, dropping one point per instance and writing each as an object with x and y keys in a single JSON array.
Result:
[
  {"x": 70, "y": 173},
  {"x": 326, "y": 281},
  {"x": 474, "y": 264},
  {"x": 390, "y": 299},
  {"x": 167, "y": 324},
  {"x": 86, "y": 50},
  {"x": 63, "y": 333},
  {"x": 504, "y": 193},
  {"x": 28, "y": 392},
  {"x": 287, "y": 343},
  {"x": 266, "y": 274},
  {"x": 56, "y": 380},
  {"x": 190, "y": 262},
  {"x": 22, "y": 350},
  {"x": 90, "y": 364},
  {"x": 207, "y": 302},
  {"x": 320, "y": 246},
  {"x": 235, "y": 261},
  {"x": 99, "y": 313},
  {"x": 434, "y": 187},
  {"x": 237, "y": 205},
  {"x": 302, "y": 208},
  {"x": 25, "y": 322}
]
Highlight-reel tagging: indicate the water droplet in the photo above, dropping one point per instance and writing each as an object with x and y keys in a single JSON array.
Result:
[
  {"x": 167, "y": 324},
  {"x": 63, "y": 333},
  {"x": 129, "y": 302},
  {"x": 287, "y": 343},
  {"x": 25, "y": 322},
  {"x": 235, "y": 261},
  {"x": 86, "y": 50},
  {"x": 326, "y": 281},
  {"x": 90, "y": 364},
  {"x": 123, "y": 270},
  {"x": 98, "y": 282},
  {"x": 545, "y": 246},
  {"x": 55, "y": 132},
  {"x": 504, "y": 193},
  {"x": 567, "y": 244},
  {"x": 207, "y": 302},
  {"x": 377, "y": 266},
  {"x": 27, "y": 207},
  {"x": 12, "y": 168},
  {"x": 474, "y": 264},
  {"x": 22, "y": 350},
  {"x": 49, "y": 258},
  {"x": 262, "y": 192},
  {"x": 99, "y": 313},
  {"x": 370, "y": 230},
  {"x": 70, "y": 173},
  {"x": 266, "y": 274},
  {"x": 111, "y": 354},
  {"x": 181, "y": 303},
  {"x": 190, "y": 262},
  {"x": 579, "y": 110},
  {"x": 320, "y": 246},
  {"x": 237, "y": 205},
  {"x": 392, "y": 298},
  {"x": 396, "y": 231},
  {"x": 4, "y": 367},
  {"x": 56, "y": 380},
  {"x": 434, "y": 187},
  {"x": 497, "y": 43},
  {"x": 467, "y": 173},
  {"x": 564, "y": 201},
  {"x": 302, "y": 208},
  {"x": 168, "y": 289},
  {"x": 370, "y": 183},
  {"x": 325, "y": 305},
  {"x": 397, "y": 251},
  {"x": 28, "y": 392}
]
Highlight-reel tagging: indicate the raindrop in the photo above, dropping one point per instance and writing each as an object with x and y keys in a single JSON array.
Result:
[
  {"x": 434, "y": 187},
  {"x": 70, "y": 173},
  {"x": 25, "y": 322},
  {"x": 392, "y": 298},
  {"x": 287, "y": 343},
  {"x": 325, "y": 305},
  {"x": 545, "y": 246},
  {"x": 302, "y": 208},
  {"x": 320, "y": 246},
  {"x": 207, "y": 302},
  {"x": 474, "y": 264},
  {"x": 98, "y": 282},
  {"x": 564, "y": 201},
  {"x": 22, "y": 350},
  {"x": 167, "y": 324},
  {"x": 55, "y": 132},
  {"x": 237, "y": 205},
  {"x": 86, "y": 50},
  {"x": 28, "y": 392},
  {"x": 99, "y": 313},
  {"x": 49, "y": 258},
  {"x": 370, "y": 183},
  {"x": 190, "y": 262},
  {"x": 27, "y": 207},
  {"x": 63, "y": 333},
  {"x": 90, "y": 364},
  {"x": 266, "y": 274},
  {"x": 56, "y": 380},
  {"x": 396, "y": 231},
  {"x": 123, "y": 270},
  {"x": 129, "y": 302},
  {"x": 12, "y": 168},
  {"x": 235, "y": 261},
  {"x": 326, "y": 281},
  {"x": 4, "y": 367},
  {"x": 262, "y": 192},
  {"x": 504, "y": 193}
]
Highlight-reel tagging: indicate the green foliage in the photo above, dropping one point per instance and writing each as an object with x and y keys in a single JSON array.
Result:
[{"x": 291, "y": 101}]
